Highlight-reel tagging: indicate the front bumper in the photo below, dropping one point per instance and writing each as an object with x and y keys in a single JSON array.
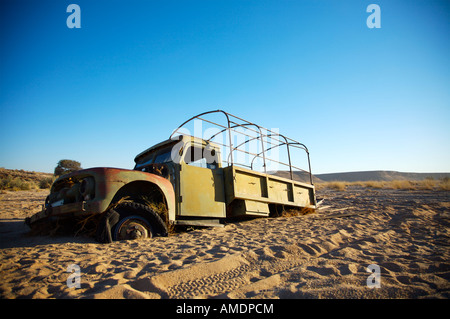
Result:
[{"x": 63, "y": 211}]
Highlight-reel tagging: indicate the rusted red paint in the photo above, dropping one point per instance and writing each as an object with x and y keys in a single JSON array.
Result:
[{"x": 108, "y": 181}]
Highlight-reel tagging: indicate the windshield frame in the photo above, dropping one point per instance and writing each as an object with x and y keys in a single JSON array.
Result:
[{"x": 152, "y": 157}]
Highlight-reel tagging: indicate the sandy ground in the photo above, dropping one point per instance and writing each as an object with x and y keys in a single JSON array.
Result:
[{"x": 322, "y": 255}]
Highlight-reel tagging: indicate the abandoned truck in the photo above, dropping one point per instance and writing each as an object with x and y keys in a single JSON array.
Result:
[{"x": 185, "y": 180}]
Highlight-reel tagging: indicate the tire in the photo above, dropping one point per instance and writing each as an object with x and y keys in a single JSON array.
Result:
[
  {"x": 132, "y": 227},
  {"x": 129, "y": 221}
]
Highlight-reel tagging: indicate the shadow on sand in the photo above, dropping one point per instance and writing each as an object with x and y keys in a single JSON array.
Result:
[{"x": 15, "y": 233}]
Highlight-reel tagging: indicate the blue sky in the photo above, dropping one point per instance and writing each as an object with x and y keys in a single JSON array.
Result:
[{"x": 359, "y": 98}]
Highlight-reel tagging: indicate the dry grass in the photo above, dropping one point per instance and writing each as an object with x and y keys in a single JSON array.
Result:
[
  {"x": 401, "y": 185},
  {"x": 375, "y": 184},
  {"x": 444, "y": 184},
  {"x": 427, "y": 184},
  {"x": 296, "y": 212},
  {"x": 340, "y": 186}
]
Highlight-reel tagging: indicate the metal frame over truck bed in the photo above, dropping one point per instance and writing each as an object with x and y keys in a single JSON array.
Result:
[
  {"x": 269, "y": 140},
  {"x": 248, "y": 191}
]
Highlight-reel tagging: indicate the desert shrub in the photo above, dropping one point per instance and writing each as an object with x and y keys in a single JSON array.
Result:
[
  {"x": 15, "y": 184},
  {"x": 4, "y": 182},
  {"x": 46, "y": 182}
]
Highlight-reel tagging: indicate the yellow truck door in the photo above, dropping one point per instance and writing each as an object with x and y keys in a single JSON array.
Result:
[{"x": 201, "y": 189}]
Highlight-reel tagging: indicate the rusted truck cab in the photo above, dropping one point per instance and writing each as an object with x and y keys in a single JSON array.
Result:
[
  {"x": 193, "y": 167},
  {"x": 180, "y": 181}
]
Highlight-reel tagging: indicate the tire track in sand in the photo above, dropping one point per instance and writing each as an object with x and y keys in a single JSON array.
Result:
[{"x": 236, "y": 274}]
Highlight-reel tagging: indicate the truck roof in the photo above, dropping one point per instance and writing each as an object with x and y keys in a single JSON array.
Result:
[{"x": 175, "y": 140}]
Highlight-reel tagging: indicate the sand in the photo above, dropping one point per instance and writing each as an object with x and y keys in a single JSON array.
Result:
[{"x": 321, "y": 255}]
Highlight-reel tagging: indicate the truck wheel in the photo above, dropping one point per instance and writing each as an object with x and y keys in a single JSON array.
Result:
[
  {"x": 132, "y": 227},
  {"x": 137, "y": 221}
]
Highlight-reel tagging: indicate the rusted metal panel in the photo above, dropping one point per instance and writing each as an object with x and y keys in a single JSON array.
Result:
[
  {"x": 121, "y": 177},
  {"x": 69, "y": 208},
  {"x": 108, "y": 181}
]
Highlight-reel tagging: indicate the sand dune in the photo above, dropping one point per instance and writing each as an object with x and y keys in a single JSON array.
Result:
[{"x": 322, "y": 255}]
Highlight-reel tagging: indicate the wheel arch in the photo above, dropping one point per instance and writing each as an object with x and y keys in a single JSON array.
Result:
[{"x": 142, "y": 190}]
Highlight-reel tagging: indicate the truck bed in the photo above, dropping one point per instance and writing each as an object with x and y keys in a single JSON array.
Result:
[{"x": 252, "y": 192}]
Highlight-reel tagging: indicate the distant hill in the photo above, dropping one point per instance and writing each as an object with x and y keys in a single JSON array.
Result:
[
  {"x": 378, "y": 176},
  {"x": 364, "y": 176},
  {"x": 298, "y": 176}
]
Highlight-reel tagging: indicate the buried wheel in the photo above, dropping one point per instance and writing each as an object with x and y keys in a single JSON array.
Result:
[
  {"x": 132, "y": 227},
  {"x": 129, "y": 221}
]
